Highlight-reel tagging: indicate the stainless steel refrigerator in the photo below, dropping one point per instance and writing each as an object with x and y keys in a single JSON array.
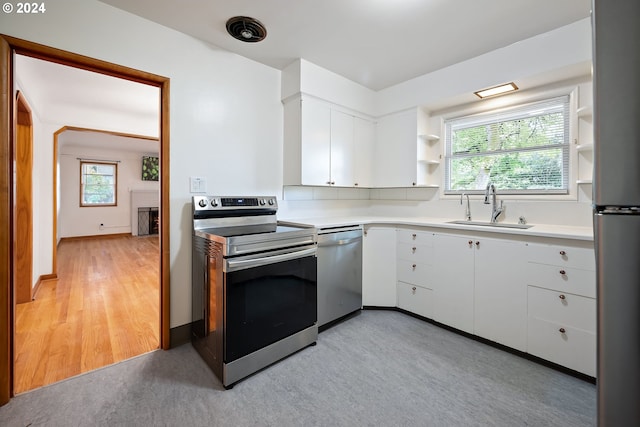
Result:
[{"x": 616, "y": 198}]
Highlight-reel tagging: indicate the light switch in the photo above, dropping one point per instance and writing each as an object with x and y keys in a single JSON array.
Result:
[{"x": 198, "y": 184}]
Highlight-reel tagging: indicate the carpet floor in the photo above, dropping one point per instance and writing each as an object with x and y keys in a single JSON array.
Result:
[{"x": 379, "y": 368}]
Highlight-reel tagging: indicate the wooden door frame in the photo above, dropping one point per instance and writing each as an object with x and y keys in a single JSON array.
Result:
[{"x": 9, "y": 46}]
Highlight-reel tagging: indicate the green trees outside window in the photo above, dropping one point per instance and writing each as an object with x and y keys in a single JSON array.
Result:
[
  {"x": 522, "y": 150},
  {"x": 98, "y": 184}
]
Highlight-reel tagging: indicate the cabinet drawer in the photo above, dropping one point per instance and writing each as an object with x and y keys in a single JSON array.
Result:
[
  {"x": 564, "y": 309},
  {"x": 562, "y": 279},
  {"x": 415, "y": 237},
  {"x": 575, "y": 348},
  {"x": 415, "y": 299},
  {"x": 569, "y": 256},
  {"x": 412, "y": 272},
  {"x": 414, "y": 252}
]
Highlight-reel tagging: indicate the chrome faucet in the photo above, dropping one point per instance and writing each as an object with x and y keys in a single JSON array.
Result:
[
  {"x": 495, "y": 210},
  {"x": 467, "y": 212}
]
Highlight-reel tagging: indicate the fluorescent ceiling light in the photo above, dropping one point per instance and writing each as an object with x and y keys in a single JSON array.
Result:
[{"x": 497, "y": 90}]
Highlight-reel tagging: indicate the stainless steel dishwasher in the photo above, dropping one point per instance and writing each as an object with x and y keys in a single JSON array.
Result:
[{"x": 339, "y": 272}]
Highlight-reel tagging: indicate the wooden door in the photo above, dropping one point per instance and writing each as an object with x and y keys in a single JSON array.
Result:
[{"x": 23, "y": 262}]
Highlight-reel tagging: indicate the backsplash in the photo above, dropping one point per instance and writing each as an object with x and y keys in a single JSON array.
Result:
[{"x": 309, "y": 202}]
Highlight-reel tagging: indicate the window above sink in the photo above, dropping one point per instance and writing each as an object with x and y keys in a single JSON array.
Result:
[{"x": 522, "y": 150}]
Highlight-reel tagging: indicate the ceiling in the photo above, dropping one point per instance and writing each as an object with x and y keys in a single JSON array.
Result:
[
  {"x": 104, "y": 140},
  {"x": 377, "y": 43},
  {"x": 57, "y": 92}
]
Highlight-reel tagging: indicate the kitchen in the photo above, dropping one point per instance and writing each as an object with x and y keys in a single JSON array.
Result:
[{"x": 206, "y": 117}]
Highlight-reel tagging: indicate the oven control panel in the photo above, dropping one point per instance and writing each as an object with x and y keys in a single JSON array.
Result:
[{"x": 222, "y": 203}]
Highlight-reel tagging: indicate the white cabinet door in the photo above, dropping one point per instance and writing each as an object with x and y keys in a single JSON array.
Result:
[
  {"x": 396, "y": 150},
  {"x": 316, "y": 143},
  {"x": 500, "y": 303},
  {"x": 364, "y": 134},
  {"x": 379, "y": 267},
  {"x": 479, "y": 288},
  {"x": 453, "y": 277},
  {"x": 342, "y": 149}
]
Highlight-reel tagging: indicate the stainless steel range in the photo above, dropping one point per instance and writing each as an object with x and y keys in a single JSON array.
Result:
[{"x": 254, "y": 285}]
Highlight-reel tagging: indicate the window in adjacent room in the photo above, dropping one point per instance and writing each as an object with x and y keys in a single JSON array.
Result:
[
  {"x": 521, "y": 150},
  {"x": 98, "y": 183}
]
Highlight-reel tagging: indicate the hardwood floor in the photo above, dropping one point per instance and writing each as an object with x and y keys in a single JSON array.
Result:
[{"x": 103, "y": 308}]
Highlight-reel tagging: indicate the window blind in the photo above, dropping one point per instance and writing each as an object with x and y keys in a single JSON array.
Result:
[{"x": 521, "y": 150}]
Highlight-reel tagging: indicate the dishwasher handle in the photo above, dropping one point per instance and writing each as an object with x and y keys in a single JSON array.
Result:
[
  {"x": 339, "y": 238},
  {"x": 338, "y": 242}
]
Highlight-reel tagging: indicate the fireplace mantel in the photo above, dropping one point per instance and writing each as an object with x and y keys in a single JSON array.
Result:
[{"x": 142, "y": 199}]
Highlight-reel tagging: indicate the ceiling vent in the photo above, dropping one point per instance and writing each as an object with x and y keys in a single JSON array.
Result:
[{"x": 246, "y": 29}]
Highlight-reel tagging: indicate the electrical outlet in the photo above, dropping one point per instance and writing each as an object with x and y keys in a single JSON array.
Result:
[{"x": 101, "y": 227}]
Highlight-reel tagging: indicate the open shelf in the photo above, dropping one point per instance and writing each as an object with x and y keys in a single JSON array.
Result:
[
  {"x": 430, "y": 162},
  {"x": 584, "y": 147},
  {"x": 585, "y": 112},
  {"x": 430, "y": 137}
]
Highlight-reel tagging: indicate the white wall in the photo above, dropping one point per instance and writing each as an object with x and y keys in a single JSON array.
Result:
[
  {"x": 308, "y": 78},
  {"x": 226, "y": 115},
  {"x": 85, "y": 221}
]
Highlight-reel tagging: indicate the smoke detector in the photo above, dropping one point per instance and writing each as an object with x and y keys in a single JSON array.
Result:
[{"x": 246, "y": 29}]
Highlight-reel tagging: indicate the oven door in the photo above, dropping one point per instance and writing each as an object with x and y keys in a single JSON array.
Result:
[{"x": 268, "y": 297}]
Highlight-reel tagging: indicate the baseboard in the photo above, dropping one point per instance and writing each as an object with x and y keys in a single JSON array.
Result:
[
  {"x": 564, "y": 369},
  {"x": 43, "y": 278},
  {"x": 179, "y": 335},
  {"x": 94, "y": 236}
]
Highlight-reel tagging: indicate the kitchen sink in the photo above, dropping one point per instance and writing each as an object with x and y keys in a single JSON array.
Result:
[{"x": 491, "y": 224}]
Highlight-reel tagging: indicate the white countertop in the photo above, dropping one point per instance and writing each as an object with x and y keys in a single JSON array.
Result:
[{"x": 538, "y": 230}]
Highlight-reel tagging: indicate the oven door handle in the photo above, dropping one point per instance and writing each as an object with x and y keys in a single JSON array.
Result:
[{"x": 241, "y": 264}]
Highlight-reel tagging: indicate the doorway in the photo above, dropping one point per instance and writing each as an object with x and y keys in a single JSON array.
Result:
[
  {"x": 9, "y": 47},
  {"x": 103, "y": 306}
]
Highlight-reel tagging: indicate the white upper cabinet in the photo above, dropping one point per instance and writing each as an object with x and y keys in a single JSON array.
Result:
[
  {"x": 342, "y": 149},
  {"x": 364, "y": 135},
  {"x": 325, "y": 145},
  {"x": 316, "y": 143},
  {"x": 396, "y": 150}
]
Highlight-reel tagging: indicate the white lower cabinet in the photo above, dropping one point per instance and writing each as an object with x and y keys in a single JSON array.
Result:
[
  {"x": 379, "y": 267},
  {"x": 453, "y": 277},
  {"x": 414, "y": 252},
  {"x": 416, "y": 299},
  {"x": 561, "y": 329},
  {"x": 533, "y": 297},
  {"x": 479, "y": 288},
  {"x": 500, "y": 302},
  {"x": 561, "y": 306}
]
